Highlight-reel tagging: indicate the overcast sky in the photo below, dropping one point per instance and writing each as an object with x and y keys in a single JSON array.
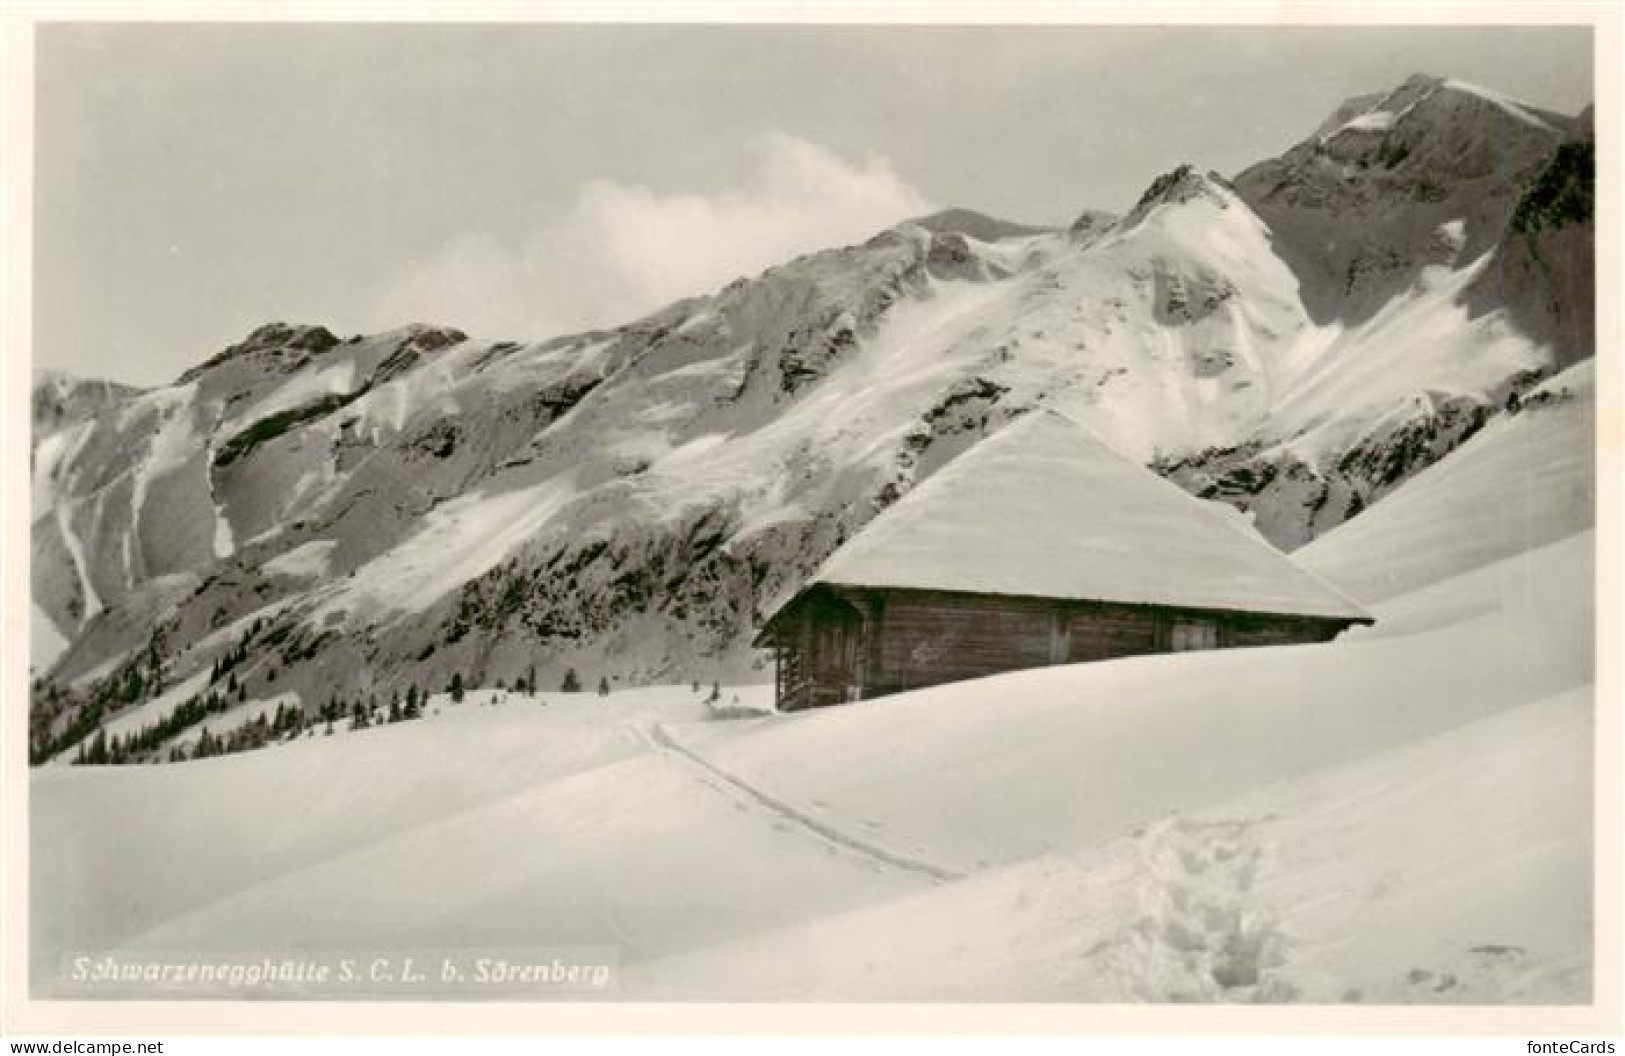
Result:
[{"x": 193, "y": 182}]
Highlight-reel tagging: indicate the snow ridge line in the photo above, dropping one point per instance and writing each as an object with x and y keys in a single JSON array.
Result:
[{"x": 660, "y": 738}]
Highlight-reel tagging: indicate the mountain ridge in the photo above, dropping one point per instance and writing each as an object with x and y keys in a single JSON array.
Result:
[{"x": 386, "y": 510}]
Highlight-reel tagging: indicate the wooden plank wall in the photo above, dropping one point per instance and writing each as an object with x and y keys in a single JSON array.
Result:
[
  {"x": 1240, "y": 634},
  {"x": 927, "y": 639},
  {"x": 1104, "y": 632},
  {"x": 907, "y": 639}
]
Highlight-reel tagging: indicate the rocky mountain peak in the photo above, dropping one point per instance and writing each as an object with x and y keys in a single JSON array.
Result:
[
  {"x": 429, "y": 338},
  {"x": 1450, "y": 115},
  {"x": 280, "y": 338},
  {"x": 1090, "y": 224},
  {"x": 1182, "y": 185},
  {"x": 1359, "y": 207},
  {"x": 61, "y": 399},
  {"x": 975, "y": 225},
  {"x": 313, "y": 338},
  {"x": 1414, "y": 88}
]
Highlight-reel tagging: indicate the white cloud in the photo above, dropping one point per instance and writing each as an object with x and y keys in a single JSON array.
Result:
[{"x": 621, "y": 250}]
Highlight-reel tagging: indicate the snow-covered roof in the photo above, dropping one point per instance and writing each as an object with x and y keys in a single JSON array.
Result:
[{"x": 1045, "y": 509}]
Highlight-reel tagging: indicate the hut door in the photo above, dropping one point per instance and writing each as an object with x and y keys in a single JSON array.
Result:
[
  {"x": 1194, "y": 634},
  {"x": 838, "y": 654}
]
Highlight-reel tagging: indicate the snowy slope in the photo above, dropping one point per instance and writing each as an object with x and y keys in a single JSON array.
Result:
[
  {"x": 1426, "y": 340},
  {"x": 1526, "y": 480},
  {"x": 1365, "y": 883}
]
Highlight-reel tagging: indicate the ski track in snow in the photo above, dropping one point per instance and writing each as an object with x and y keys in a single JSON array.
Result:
[{"x": 660, "y": 740}]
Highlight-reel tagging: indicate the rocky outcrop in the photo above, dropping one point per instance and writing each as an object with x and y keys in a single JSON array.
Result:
[
  {"x": 1357, "y": 207},
  {"x": 1544, "y": 271}
]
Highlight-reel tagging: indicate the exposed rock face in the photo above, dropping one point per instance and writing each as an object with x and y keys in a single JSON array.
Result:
[
  {"x": 1292, "y": 500},
  {"x": 362, "y": 515},
  {"x": 1182, "y": 185},
  {"x": 1358, "y": 207},
  {"x": 1091, "y": 224},
  {"x": 1544, "y": 269},
  {"x": 976, "y": 225}
]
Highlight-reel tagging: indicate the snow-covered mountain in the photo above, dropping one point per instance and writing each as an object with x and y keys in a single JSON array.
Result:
[
  {"x": 355, "y": 516},
  {"x": 1401, "y": 816}
]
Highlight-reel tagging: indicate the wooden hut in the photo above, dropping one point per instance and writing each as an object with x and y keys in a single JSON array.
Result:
[{"x": 1038, "y": 546}]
